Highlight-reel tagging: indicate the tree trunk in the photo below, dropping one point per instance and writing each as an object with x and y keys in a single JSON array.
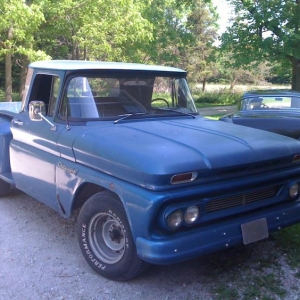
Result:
[
  {"x": 8, "y": 78},
  {"x": 296, "y": 74},
  {"x": 8, "y": 70},
  {"x": 233, "y": 82},
  {"x": 204, "y": 85},
  {"x": 23, "y": 74}
]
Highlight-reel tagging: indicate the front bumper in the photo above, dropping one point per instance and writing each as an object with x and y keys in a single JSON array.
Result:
[{"x": 213, "y": 237}]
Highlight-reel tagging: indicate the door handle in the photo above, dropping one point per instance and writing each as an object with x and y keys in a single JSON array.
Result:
[{"x": 18, "y": 122}]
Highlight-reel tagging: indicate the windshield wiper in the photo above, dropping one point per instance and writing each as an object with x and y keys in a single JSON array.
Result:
[
  {"x": 128, "y": 116},
  {"x": 178, "y": 112}
]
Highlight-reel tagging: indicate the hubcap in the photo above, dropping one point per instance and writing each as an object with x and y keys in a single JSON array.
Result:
[{"x": 107, "y": 238}]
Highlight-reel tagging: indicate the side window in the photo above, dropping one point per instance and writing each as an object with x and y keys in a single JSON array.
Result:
[
  {"x": 54, "y": 95},
  {"x": 45, "y": 88}
]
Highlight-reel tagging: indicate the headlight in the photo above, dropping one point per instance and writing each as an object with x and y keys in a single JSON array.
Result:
[
  {"x": 191, "y": 214},
  {"x": 175, "y": 219},
  {"x": 294, "y": 189}
]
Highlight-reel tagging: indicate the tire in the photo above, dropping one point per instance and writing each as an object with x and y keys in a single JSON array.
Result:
[
  {"x": 105, "y": 238},
  {"x": 4, "y": 188}
]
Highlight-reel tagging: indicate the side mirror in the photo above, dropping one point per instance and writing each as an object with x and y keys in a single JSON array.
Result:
[
  {"x": 37, "y": 109},
  {"x": 37, "y": 112}
]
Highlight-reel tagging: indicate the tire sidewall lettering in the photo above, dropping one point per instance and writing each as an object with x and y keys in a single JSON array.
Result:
[
  {"x": 87, "y": 250},
  {"x": 105, "y": 213},
  {"x": 90, "y": 255}
]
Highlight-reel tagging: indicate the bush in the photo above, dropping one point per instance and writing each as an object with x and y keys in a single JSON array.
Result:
[
  {"x": 216, "y": 98},
  {"x": 15, "y": 96}
]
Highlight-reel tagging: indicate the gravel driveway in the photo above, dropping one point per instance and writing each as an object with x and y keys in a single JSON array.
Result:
[{"x": 40, "y": 259}]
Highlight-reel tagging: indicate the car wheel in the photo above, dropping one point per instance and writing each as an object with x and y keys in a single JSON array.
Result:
[
  {"x": 4, "y": 188},
  {"x": 105, "y": 238}
]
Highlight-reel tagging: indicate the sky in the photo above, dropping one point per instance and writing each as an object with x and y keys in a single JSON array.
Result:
[{"x": 224, "y": 12}]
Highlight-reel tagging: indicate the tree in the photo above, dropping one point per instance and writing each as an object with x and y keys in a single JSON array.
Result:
[
  {"x": 172, "y": 32},
  {"x": 169, "y": 32},
  {"x": 94, "y": 29},
  {"x": 183, "y": 34},
  {"x": 265, "y": 30},
  {"x": 255, "y": 73},
  {"x": 200, "y": 54},
  {"x": 19, "y": 21}
]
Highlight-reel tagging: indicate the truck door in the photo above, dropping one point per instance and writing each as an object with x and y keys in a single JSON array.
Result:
[{"x": 34, "y": 152}]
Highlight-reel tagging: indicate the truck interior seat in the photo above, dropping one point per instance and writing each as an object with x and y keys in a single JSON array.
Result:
[{"x": 82, "y": 107}]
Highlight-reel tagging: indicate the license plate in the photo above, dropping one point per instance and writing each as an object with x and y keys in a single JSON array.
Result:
[{"x": 254, "y": 231}]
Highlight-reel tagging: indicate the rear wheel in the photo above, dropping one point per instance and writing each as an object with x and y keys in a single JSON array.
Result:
[
  {"x": 105, "y": 238},
  {"x": 4, "y": 188}
]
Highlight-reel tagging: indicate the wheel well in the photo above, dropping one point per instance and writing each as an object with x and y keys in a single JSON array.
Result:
[{"x": 84, "y": 192}]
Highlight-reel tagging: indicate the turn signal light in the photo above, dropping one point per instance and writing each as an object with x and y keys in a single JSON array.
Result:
[{"x": 184, "y": 177}]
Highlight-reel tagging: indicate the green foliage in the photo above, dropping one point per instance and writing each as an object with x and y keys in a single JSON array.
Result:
[
  {"x": 263, "y": 287},
  {"x": 168, "y": 32},
  {"x": 265, "y": 30},
  {"x": 226, "y": 293},
  {"x": 181, "y": 30},
  {"x": 95, "y": 29},
  {"x": 200, "y": 55},
  {"x": 15, "y": 97},
  {"x": 152, "y": 31},
  {"x": 289, "y": 241},
  {"x": 19, "y": 22},
  {"x": 216, "y": 98},
  {"x": 280, "y": 73}
]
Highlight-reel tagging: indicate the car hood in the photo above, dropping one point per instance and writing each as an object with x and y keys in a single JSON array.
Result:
[
  {"x": 149, "y": 153},
  {"x": 284, "y": 122}
]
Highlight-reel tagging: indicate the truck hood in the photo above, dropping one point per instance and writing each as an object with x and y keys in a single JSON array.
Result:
[{"x": 149, "y": 153}]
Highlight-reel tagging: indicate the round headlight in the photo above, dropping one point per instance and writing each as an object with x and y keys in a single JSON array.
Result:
[
  {"x": 191, "y": 214},
  {"x": 294, "y": 189},
  {"x": 175, "y": 219}
]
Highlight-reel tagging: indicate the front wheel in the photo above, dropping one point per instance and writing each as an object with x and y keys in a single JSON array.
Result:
[
  {"x": 105, "y": 238},
  {"x": 4, "y": 188}
]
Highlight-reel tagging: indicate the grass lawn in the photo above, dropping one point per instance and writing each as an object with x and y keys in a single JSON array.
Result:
[{"x": 15, "y": 96}]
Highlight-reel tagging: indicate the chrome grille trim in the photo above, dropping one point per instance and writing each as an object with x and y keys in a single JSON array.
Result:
[{"x": 240, "y": 199}]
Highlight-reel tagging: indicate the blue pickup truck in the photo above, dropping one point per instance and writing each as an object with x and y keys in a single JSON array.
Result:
[{"x": 152, "y": 181}]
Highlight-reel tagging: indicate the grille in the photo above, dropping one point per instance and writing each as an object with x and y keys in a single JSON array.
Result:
[{"x": 240, "y": 199}]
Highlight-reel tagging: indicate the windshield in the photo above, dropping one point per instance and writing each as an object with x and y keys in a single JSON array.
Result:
[
  {"x": 271, "y": 102},
  {"x": 110, "y": 98}
]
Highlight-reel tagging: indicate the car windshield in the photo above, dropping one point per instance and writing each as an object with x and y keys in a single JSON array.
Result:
[
  {"x": 271, "y": 102},
  {"x": 114, "y": 97}
]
